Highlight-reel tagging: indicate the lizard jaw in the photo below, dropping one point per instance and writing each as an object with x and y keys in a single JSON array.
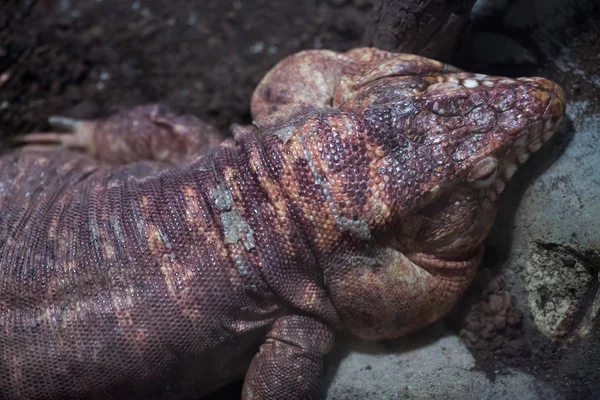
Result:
[{"x": 447, "y": 265}]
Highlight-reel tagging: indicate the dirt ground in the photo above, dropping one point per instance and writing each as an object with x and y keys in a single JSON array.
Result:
[{"x": 91, "y": 58}]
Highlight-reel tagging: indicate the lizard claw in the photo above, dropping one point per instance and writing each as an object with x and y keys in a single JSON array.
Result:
[
  {"x": 69, "y": 133},
  {"x": 64, "y": 124}
]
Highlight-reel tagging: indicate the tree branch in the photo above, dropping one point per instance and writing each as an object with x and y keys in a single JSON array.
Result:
[{"x": 429, "y": 28}]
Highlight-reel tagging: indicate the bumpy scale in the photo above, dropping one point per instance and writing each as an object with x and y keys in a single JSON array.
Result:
[{"x": 158, "y": 263}]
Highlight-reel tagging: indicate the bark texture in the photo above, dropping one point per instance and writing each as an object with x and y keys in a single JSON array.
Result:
[{"x": 430, "y": 28}]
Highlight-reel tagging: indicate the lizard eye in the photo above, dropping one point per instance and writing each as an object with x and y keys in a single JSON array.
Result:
[{"x": 483, "y": 172}]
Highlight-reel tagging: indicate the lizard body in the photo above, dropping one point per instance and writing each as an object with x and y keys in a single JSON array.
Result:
[{"x": 157, "y": 263}]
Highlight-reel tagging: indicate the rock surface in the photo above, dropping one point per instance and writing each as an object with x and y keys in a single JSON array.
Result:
[{"x": 431, "y": 366}]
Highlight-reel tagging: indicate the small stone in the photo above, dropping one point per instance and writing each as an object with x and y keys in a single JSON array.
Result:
[
  {"x": 468, "y": 336},
  {"x": 514, "y": 317},
  {"x": 495, "y": 285},
  {"x": 495, "y": 304},
  {"x": 515, "y": 347},
  {"x": 480, "y": 345},
  {"x": 473, "y": 322},
  {"x": 497, "y": 343},
  {"x": 500, "y": 323},
  {"x": 507, "y": 300},
  {"x": 475, "y": 325},
  {"x": 488, "y": 332},
  {"x": 257, "y": 47}
]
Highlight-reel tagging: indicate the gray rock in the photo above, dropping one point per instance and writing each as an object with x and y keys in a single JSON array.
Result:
[
  {"x": 556, "y": 235},
  {"x": 432, "y": 365},
  {"x": 554, "y": 258}
]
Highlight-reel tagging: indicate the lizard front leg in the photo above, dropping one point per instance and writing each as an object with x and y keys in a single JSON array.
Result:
[
  {"x": 148, "y": 132},
  {"x": 289, "y": 364}
]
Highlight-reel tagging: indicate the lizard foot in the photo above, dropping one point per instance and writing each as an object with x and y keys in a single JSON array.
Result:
[{"x": 68, "y": 133}]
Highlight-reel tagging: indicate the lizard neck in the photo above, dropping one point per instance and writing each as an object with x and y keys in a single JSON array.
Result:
[
  {"x": 320, "y": 163},
  {"x": 262, "y": 229}
]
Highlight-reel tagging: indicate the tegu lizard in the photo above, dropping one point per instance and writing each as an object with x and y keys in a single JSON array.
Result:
[{"x": 147, "y": 256}]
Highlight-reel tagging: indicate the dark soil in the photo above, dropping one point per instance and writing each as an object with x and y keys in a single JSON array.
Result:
[{"x": 89, "y": 58}]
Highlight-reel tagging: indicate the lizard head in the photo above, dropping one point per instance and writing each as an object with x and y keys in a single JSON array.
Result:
[
  {"x": 440, "y": 143},
  {"x": 413, "y": 155},
  {"x": 450, "y": 142}
]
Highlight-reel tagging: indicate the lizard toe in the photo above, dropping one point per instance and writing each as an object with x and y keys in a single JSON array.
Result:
[{"x": 68, "y": 133}]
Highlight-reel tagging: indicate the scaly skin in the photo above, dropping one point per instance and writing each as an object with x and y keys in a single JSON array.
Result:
[{"x": 359, "y": 200}]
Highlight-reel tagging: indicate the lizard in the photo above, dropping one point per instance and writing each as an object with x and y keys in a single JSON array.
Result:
[{"x": 147, "y": 255}]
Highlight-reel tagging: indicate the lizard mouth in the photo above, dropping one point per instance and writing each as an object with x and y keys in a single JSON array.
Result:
[
  {"x": 530, "y": 140},
  {"x": 463, "y": 248},
  {"x": 447, "y": 265},
  {"x": 464, "y": 244}
]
